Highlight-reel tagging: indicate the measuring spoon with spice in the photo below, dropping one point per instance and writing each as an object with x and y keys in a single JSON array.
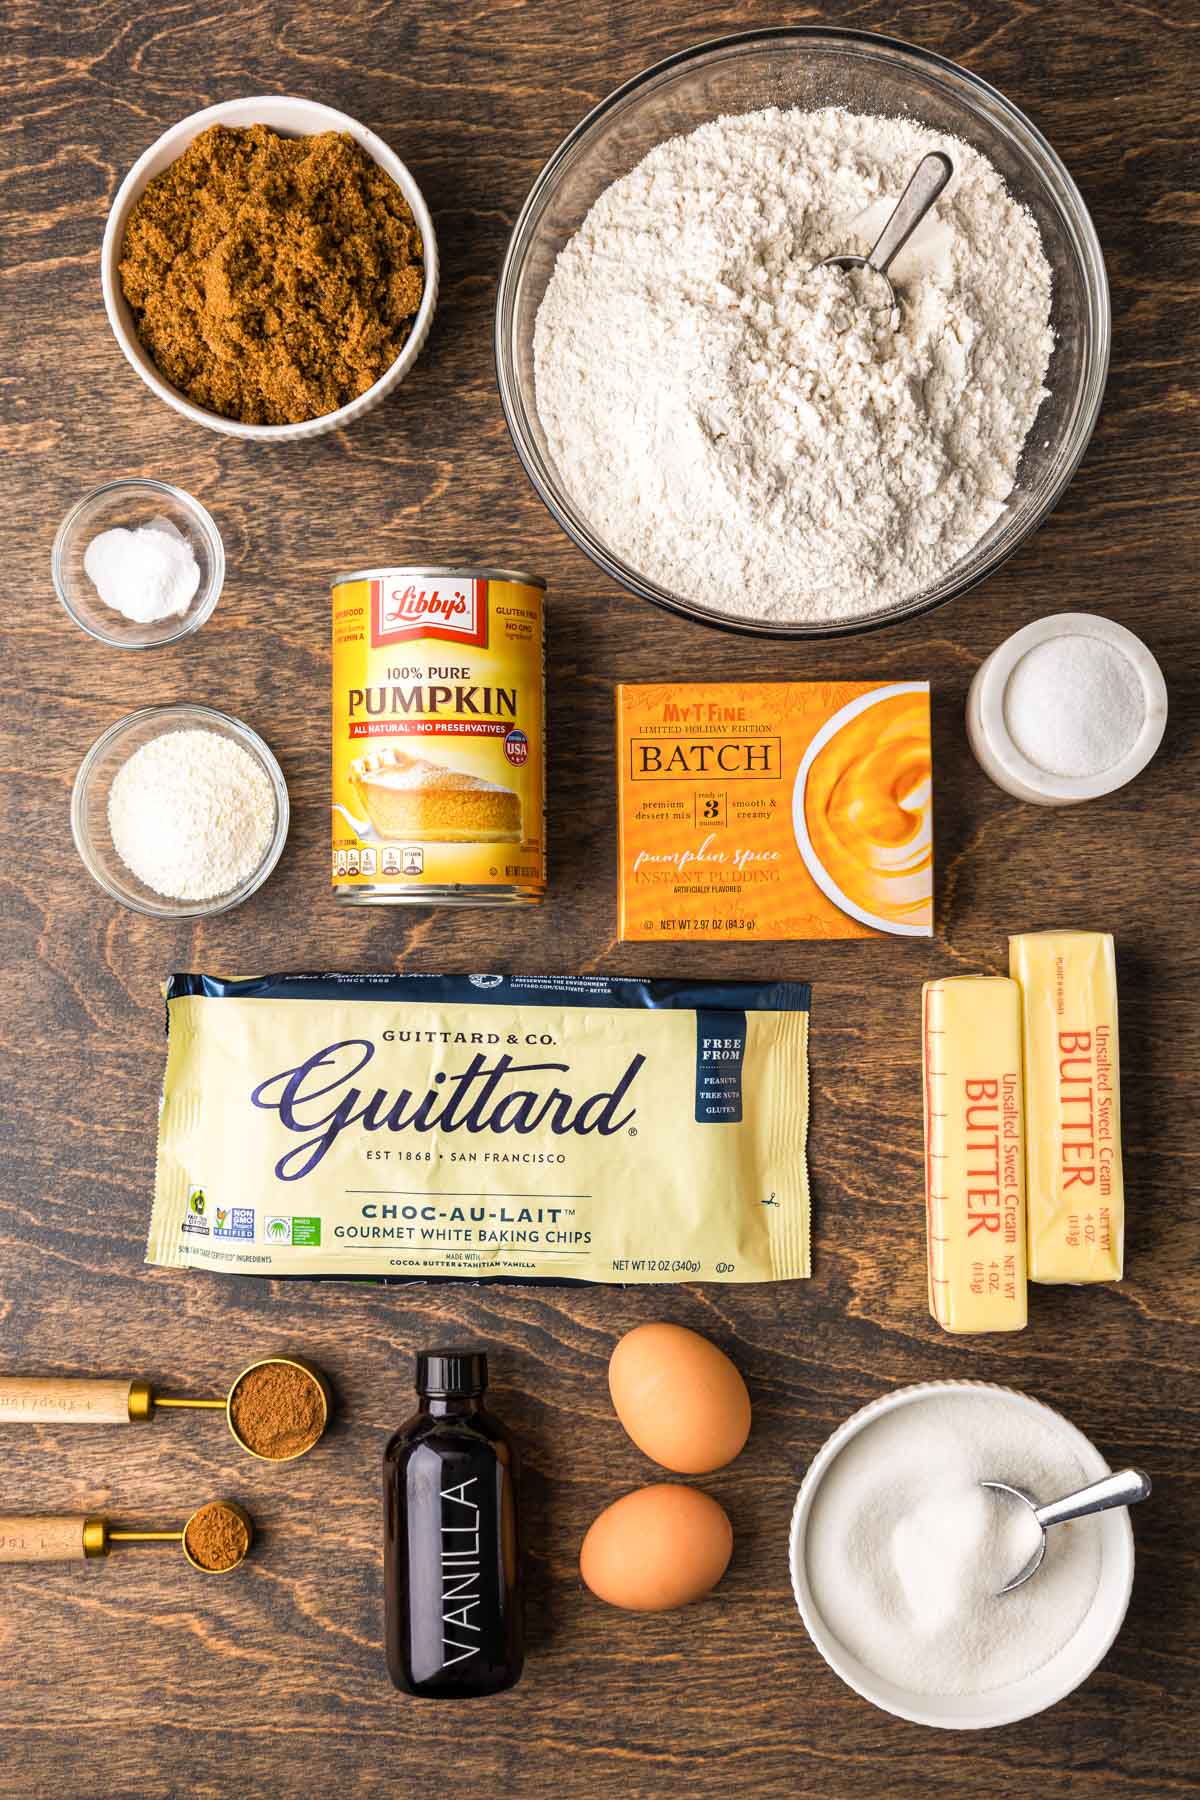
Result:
[
  {"x": 277, "y": 1408},
  {"x": 215, "y": 1538}
]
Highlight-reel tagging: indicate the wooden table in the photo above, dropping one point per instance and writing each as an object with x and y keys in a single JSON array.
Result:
[{"x": 133, "y": 1678}]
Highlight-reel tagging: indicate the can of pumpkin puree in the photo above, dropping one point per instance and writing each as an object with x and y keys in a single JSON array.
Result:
[{"x": 438, "y": 751}]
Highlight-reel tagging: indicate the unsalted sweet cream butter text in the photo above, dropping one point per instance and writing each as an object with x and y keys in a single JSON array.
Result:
[
  {"x": 974, "y": 1153},
  {"x": 1068, "y": 988}
]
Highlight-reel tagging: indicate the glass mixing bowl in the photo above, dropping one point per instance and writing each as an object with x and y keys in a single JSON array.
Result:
[{"x": 810, "y": 67}]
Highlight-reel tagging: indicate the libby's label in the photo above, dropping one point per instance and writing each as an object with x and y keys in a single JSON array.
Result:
[{"x": 404, "y": 607}]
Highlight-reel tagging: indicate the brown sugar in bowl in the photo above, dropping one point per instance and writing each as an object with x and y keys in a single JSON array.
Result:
[
  {"x": 291, "y": 117},
  {"x": 278, "y": 1408}
]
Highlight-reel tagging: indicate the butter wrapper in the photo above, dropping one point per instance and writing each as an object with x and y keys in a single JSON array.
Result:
[
  {"x": 484, "y": 1128},
  {"x": 1068, "y": 985},
  {"x": 974, "y": 1153}
]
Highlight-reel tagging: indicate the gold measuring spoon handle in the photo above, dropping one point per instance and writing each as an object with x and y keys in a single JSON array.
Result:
[
  {"x": 43, "y": 1538},
  {"x": 168, "y": 1400},
  {"x": 145, "y": 1537},
  {"x": 72, "y": 1400}
]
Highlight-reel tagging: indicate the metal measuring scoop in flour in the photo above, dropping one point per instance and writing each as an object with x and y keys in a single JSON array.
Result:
[
  {"x": 1121, "y": 1489},
  {"x": 926, "y": 183}
]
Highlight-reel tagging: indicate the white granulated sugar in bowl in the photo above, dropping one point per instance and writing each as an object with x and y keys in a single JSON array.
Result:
[
  {"x": 192, "y": 814},
  {"x": 906, "y": 1553},
  {"x": 1074, "y": 706},
  {"x": 735, "y": 423}
]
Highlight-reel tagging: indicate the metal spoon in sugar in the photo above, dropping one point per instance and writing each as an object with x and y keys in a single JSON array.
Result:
[{"x": 1122, "y": 1489}]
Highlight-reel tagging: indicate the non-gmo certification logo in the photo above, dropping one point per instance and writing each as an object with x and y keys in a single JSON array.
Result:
[{"x": 233, "y": 1222}]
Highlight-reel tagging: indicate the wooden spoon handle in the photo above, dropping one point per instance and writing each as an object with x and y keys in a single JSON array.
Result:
[
  {"x": 64, "y": 1400},
  {"x": 42, "y": 1538}
]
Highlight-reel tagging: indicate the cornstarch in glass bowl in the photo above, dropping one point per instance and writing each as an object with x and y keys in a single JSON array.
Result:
[{"x": 191, "y": 814}]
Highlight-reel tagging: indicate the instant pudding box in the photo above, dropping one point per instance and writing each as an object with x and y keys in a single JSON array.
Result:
[{"x": 775, "y": 810}]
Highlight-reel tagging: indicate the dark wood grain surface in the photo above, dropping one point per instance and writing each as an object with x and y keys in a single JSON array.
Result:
[{"x": 134, "y": 1678}]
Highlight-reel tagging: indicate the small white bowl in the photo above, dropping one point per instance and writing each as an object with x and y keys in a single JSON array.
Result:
[
  {"x": 292, "y": 118},
  {"x": 991, "y": 740},
  {"x": 1019, "y": 1699},
  {"x": 804, "y": 844},
  {"x": 89, "y": 807},
  {"x": 129, "y": 504}
]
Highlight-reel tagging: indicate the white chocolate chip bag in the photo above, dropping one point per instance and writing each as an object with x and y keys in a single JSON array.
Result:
[{"x": 484, "y": 1128}]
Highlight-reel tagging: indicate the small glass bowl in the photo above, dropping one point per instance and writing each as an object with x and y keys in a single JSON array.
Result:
[
  {"x": 130, "y": 503},
  {"x": 89, "y": 807}
]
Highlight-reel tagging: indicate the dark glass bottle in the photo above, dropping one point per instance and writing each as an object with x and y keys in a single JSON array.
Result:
[{"x": 451, "y": 1568}]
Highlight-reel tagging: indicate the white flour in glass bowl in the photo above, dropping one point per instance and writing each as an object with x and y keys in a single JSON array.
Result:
[{"x": 735, "y": 423}]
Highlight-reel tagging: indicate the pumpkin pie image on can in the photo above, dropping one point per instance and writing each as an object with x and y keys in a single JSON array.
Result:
[
  {"x": 438, "y": 755},
  {"x": 409, "y": 797}
]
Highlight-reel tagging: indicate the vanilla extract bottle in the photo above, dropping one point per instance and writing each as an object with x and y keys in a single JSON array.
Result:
[{"x": 452, "y": 1578}]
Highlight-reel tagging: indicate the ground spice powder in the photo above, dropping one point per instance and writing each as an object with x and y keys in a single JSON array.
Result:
[
  {"x": 278, "y": 1410},
  {"x": 216, "y": 1537},
  {"x": 272, "y": 279}
]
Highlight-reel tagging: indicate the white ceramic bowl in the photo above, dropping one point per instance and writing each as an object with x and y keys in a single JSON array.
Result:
[
  {"x": 293, "y": 118},
  {"x": 992, "y": 742},
  {"x": 804, "y": 844},
  {"x": 1019, "y": 1699}
]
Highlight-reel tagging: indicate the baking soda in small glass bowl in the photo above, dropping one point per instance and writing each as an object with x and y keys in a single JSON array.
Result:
[{"x": 130, "y": 505}]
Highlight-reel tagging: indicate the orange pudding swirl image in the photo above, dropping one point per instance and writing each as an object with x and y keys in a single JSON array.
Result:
[{"x": 868, "y": 807}]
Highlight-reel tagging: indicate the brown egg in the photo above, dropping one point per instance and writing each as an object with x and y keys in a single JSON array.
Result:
[
  {"x": 656, "y": 1548},
  {"x": 680, "y": 1398}
]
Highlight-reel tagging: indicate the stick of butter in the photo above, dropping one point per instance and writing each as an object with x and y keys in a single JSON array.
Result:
[
  {"x": 974, "y": 1153},
  {"x": 1076, "y": 1189}
]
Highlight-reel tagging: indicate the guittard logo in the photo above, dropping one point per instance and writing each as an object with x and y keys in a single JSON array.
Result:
[
  {"x": 317, "y": 1100},
  {"x": 403, "y": 608}
]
